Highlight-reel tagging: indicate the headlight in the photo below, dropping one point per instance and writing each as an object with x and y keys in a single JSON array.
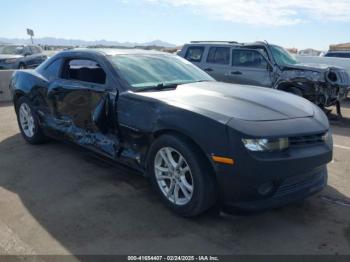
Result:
[
  {"x": 265, "y": 144},
  {"x": 10, "y": 61}
]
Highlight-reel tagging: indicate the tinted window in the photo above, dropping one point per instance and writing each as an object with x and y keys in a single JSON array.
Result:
[
  {"x": 27, "y": 50},
  {"x": 53, "y": 70},
  {"x": 219, "y": 55},
  {"x": 343, "y": 55},
  {"x": 194, "y": 53},
  {"x": 84, "y": 70},
  {"x": 248, "y": 58},
  {"x": 11, "y": 49}
]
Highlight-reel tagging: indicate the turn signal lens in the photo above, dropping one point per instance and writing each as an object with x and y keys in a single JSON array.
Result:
[{"x": 223, "y": 160}]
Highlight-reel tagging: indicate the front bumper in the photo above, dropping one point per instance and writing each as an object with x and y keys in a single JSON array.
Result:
[
  {"x": 264, "y": 180},
  {"x": 290, "y": 190}
]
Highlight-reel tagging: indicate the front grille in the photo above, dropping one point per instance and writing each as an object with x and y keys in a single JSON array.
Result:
[
  {"x": 298, "y": 183},
  {"x": 306, "y": 140},
  {"x": 344, "y": 78}
]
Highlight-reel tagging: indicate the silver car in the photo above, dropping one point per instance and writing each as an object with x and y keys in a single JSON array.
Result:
[
  {"x": 20, "y": 56},
  {"x": 267, "y": 65}
]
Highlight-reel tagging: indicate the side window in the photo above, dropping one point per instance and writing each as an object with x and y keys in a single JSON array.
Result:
[
  {"x": 27, "y": 51},
  {"x": 194, "y": 53},
  {"x": 36, "y": 49},
  {"x": 33, "y": 50},
  {"x": 84, "y": 70},
  {"x": 248, "y": 58},
  {"x": 52, "y": 71},
  {"x": 219, "y": 55},
  {"x": 342, "y": 55}
]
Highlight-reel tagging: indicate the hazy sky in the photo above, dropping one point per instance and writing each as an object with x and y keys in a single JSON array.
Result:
[{"x": 298, "y": 23}]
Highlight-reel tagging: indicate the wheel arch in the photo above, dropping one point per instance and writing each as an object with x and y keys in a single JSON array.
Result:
[
  {"x": 169, "y": 131},
  {"x": 22, "y": 63},
  {"x": 16, "y": 96},
  {"x": 289, "y": 87}
]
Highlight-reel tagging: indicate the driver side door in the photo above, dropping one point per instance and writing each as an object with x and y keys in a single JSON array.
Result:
[{"x": 82, "y": 106}]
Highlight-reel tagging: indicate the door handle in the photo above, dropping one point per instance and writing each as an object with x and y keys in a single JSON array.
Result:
[
  {"x": 208, "y": 70},
  {"x": 236, "y": 73}
]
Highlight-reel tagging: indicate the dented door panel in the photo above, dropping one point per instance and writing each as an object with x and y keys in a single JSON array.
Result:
[{"x": 83, "y": 114}]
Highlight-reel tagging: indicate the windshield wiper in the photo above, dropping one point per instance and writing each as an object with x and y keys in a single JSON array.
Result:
[{"x": 159, "y": 87}]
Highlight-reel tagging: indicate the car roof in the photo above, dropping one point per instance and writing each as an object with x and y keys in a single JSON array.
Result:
[
  {"x": 339, "y": 51},
  {"x": 112, "y": 51},
  {"x": 22, "y": 45},
  {"x": 5, "y": 44},
  {"x": 226, "y": 43}
]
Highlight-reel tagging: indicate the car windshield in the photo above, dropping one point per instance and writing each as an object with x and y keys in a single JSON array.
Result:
[
  {"x": 143, "y": 71},
  {"x": 11, "y": 49},
  {"x": 282, "y": 56}
]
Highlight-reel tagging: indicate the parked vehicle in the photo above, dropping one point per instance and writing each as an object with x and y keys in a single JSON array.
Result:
[
  {"x": 339, "y": 54},
  {"x": 268, "y": 65},
  {"x": 21, "y": 56},
  {"x": 201, "y": 142}
]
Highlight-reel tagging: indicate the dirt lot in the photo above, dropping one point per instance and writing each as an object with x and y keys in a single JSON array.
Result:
[{"x": 56, "y": 200}]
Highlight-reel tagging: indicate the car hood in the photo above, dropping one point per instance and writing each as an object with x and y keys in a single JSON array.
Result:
[
  {"x": 227, "y": 101},
  {"x": 5, "y": 56},
  {"x": 311, "y": 67}
]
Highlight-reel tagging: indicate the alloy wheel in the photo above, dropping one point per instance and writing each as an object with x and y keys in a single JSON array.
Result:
[
  {"x": 27, "y": 120},
  {"x": 173, "y": 176}
]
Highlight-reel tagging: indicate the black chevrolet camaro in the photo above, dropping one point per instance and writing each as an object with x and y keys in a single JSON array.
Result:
[{"x": 201, "y": 142}]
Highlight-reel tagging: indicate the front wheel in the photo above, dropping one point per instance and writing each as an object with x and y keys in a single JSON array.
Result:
[
  {"x": 28, "y": 123},
  {"x": 22, "y": 66},
  {"x": 181, "y": 176}
]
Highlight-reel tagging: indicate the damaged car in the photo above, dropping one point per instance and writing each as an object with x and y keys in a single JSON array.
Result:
[
  {"x": 202, "y": 143},
  {"x": 268, "y": 65}
]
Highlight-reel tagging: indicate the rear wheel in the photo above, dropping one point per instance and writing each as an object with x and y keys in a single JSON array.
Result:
[
  {"x": 28, "y": 122},
  {"x": 22, "y": 66},
  {"x": 181, "y": 176}
]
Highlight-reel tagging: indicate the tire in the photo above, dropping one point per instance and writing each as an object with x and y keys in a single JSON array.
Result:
[
  {"x": 195, "y": 174},
  {"x": 22, "y": 66},
  {"x": 296, "y": 91},
  {"x": 28, "y": 122}
]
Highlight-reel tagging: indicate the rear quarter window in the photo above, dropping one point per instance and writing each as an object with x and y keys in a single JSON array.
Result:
[{"x": 194, "y": 53}]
